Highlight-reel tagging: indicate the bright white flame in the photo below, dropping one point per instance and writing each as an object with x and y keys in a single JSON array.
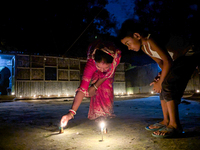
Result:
[
  {"x": 152, "y": 92},
  {"x": 63, "y": 124},
  {"x": 102, "y": 125},
  {"x": 198, "y": 91}
]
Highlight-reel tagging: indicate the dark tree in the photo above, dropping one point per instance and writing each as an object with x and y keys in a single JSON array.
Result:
[
  {"x": 51, "y": 27},
  {"x": 169, "y": 16}
]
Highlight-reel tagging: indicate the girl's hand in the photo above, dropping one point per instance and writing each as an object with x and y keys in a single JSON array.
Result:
[
  {"x": 65, "y": 119},
  {"x": 91, "y": 91}
]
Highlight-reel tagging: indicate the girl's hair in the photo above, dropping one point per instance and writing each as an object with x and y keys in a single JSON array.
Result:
[
  {"x": 129, "y": 27},
  {"x": 100, "y": 56}
]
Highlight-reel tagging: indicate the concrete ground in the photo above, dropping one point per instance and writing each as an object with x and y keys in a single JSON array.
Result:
[{"x": 33, "y": 125}]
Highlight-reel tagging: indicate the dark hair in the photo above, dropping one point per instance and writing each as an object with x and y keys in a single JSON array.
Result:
[
  {"x": 100, "y": 56},
  {"x": 129, "y": 27}
]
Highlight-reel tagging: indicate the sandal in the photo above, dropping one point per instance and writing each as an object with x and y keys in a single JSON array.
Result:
[
  {"x": 169, "y": 132},
  {"x": 159, "y": 125}
]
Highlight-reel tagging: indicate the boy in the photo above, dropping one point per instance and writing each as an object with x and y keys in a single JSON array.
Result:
[{"x": 177, "y": 63}]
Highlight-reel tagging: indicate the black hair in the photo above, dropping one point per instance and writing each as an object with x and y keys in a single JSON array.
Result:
[
  {"x": 100, "y": 56},
  {"x": 129, "y": 27}
]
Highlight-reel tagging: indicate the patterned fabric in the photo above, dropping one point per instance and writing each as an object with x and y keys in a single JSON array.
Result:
[{"x": 102, "y": 103}]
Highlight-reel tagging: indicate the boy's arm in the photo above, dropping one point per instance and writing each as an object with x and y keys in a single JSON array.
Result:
[
  {"x": 158, "y": 61},
  {"x": 165, "y": 64}
]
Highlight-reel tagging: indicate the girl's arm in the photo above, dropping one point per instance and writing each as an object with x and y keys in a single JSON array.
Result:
[
  {"x": 82, "y": 91},
  {"x": 92, "y": 89},
  {"x": 99, "y": 82},
  {"x": 77, "y": 100},
  {"x": 70, "y": 115}
]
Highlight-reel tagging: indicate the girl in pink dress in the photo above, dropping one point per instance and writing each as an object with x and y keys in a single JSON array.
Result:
[{"x": 102, "y": 60}]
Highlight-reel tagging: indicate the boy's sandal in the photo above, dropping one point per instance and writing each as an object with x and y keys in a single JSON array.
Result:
[
  {"x": 158, "y": 125},
  {"x": 169, "y": 132}
]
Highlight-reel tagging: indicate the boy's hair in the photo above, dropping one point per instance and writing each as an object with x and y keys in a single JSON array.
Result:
[
  {"x": 100, "y": 56},
  {"x": 129, "y": 27}
]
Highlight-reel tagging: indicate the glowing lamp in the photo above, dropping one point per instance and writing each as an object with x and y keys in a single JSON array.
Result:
[
  {"x": 197, "y": 91},
  {"x": 102, "y": 125}
]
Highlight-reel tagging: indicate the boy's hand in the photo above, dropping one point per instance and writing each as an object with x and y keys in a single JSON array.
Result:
[
  {"x": 157, "y": 87},
  {"x": 156, "y": 79}
]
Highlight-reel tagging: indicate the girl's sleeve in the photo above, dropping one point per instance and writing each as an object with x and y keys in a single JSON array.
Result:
[
  {"x": 115, "y": 63},
  {"x": 89, "y": 70}
]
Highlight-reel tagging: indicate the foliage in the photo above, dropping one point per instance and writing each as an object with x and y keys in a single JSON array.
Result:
[
  {"x": 169, "y": 16},
  {"x": 51, "y": 27}
]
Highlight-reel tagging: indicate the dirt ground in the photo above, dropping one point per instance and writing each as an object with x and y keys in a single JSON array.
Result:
[{"x": 33, "y": 125}]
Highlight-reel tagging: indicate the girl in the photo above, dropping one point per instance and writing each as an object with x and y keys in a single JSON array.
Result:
[
  {"x": 177, "y": 64},
  {"x": 103, "y": 58}
]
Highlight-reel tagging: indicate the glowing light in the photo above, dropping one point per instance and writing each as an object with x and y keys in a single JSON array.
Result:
[
  {"x": 20, "y": 96},
  {"x": 152, "y": 92},
  {"x": 58, "y": 95},
  {"x": 63, "y": 124},
  {"x": 39, "y": 96},
  {"x": 34, "y": 95},
  {"x": 67, "y": 94},
  {"x": 102, "y": 129},
  {"x": 197, "y": 91},
  {"x": 12, "y": 93},
  {"x": 102, "y": 125},
  {"x": 122, "y": 93},
  {"x": 48, "y": 95}
]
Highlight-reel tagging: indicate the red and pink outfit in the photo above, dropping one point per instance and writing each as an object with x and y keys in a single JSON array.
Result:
[{"x": 101, "y": 104}]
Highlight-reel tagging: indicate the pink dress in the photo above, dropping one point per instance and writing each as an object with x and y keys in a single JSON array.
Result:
[{"x": 102, "y": 103}]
